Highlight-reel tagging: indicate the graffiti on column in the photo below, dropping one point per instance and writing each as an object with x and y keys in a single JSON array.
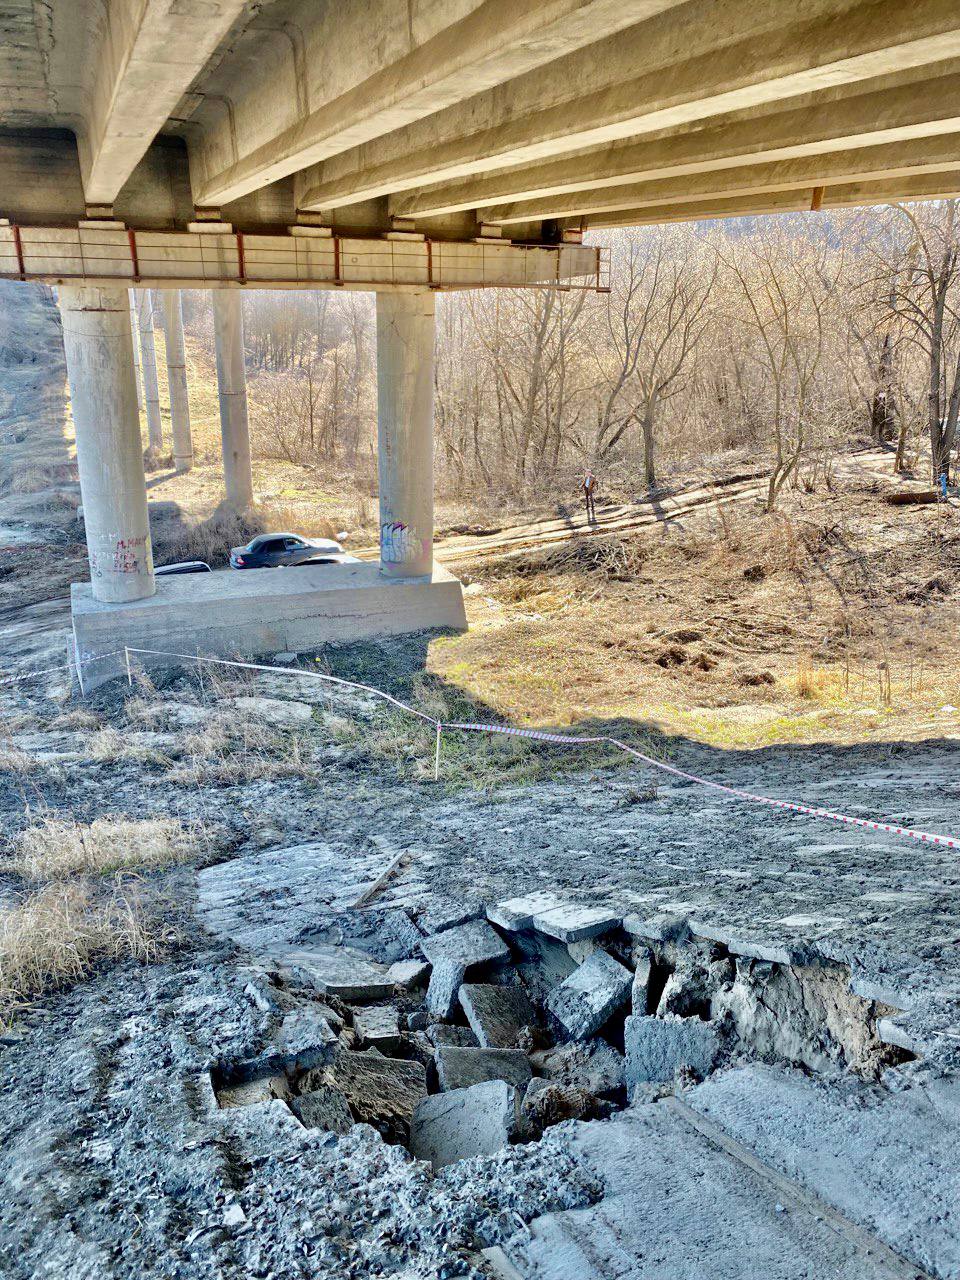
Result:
[
  {"x": 399, "y": 543},
  {"x": 123, "y": 555}
]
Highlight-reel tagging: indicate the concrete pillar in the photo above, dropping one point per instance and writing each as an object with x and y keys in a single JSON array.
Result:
[
  {"x": 177, "y": 380},
  {"x": 406, "y": 328},
  {"x": 135, "y": 335},
  {"x": 148, "y": 365},
  {"x": 232, "y": 385},
  {"x": 98, "y": 344}
]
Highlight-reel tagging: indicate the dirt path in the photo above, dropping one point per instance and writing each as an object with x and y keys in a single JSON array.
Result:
[{"x": 869, "y": 465}]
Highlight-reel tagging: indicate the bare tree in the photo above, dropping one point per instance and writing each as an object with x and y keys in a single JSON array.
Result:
[{"x": 656, "y": 316}]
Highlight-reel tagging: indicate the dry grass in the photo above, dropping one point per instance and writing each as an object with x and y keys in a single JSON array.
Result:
[
  {"x": 13, "y": 760},
  {"x": 233, "y": 748},
  {"x": 53, "y": 849},
  {"x": 56, "y": 936}
]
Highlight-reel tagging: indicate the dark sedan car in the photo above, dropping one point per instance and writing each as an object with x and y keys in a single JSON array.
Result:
[{"x": 278, "y": 550}]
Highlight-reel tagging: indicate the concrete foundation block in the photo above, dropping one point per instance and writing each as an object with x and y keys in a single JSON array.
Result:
[
  {"x": 497, "y": 1014},
  {"x": 465, "y": 1123},
  {"x": 591, "y": 995},
  {"x": 256, "y": 612},
  {"x": 658, "y": 1047},
  {"x": 461, "y": 1068}
]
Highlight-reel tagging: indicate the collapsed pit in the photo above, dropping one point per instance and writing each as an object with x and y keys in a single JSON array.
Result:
[{"x": 493, "y": 1028}]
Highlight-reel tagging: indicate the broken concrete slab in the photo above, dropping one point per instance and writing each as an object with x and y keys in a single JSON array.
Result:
[
  {"x": 452, "y": 953},
  {"x": 383, "y": 1092},
  {"x": 378, "y": 1026},
  {"x": 465, "y": 1123},
  {"x": 338, "y": 971},
  {"x": 446, "y": 914},
  {"x": 323, "y": 1108},
  {"x": 582, "y": 1003},
  {"x": 460, "y": 1068},
  {"x": 574, "y": 923},
  {"x": 516, "y": 914},
  {"x": 545, "y": 963},
  {"x": 409, "y": 973},
  {"x": 640, "y": 990},
  {"x": 659, "y": 926},
  {"x": 304, "y": 1039},
  {"x": 658, "y": 1047},
  {"x": 497, "y": 1014}
]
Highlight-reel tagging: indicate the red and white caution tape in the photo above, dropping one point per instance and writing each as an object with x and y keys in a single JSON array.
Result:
[{"x": 563, "y": 740}]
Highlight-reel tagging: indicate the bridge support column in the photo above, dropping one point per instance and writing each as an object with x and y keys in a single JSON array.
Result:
[
  {"x": 148, "y": 365},
  {"x": 135, "y": 336},
  {"x": 406, "y": 329},
  {"x": 177, "y": 379},
  {"x": 232, "y": 384},
  {"x": 98, "y": 345}
]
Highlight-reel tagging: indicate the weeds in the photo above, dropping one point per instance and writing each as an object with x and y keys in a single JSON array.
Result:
[
  {"x": 56, "y": 936},
  {"x": 54, "y": 849}
]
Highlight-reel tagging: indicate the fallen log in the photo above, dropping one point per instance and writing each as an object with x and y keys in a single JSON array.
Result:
[{"x": 909, "y": 497}]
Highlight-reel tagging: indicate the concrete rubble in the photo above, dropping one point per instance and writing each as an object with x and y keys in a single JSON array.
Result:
[
  {"x": 452, "y": 953},
  {"x": 585, "y": 1000},
  {"x": 657, "y": 1048},
  {"x": 465, "y": 1123},
  {"x": 461, "y": 1068},
  {"x": 497, "y": 1014}
]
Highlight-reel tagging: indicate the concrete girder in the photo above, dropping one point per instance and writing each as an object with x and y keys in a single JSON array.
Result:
[
  {"x": 149, "y": 53},
  {"x": 595, "y": 97},
  {"x": 898, "y": 113},
  {"x": 941, "y": 186},
  {"x": 495, "y": 41},
  {"x": 868, "y": 164}
]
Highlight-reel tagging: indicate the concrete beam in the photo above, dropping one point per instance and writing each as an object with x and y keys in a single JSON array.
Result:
[
  {"x": 148, "y": 54},
  {"x": 493, "y": 42},
  {"x": 704, "y": 61},
  {"x": 897, "y": 113},
  {"x": 869, "y": 164},
  {"x": 941, "y": 186},
  {"x": 311, "y": 258}
]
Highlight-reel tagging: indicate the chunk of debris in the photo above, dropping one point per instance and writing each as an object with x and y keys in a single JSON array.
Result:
[
  {"x": 465, "y": 1123},
  {"x": 546, "y": 1103},
  {"x": 304, "y": 1039},
  {"x": 378, "y": 1025},
  {"x": 497, "y": 1014},
  {"x": 591, "y": 1065},
  {"x": 640, "y": 991},
  {"x": 452, "y": 953},
  {"x": 592, "y": 994},
  {"x": 461, "y": 1068},
  {"x": 658, "y": 1047},
  {"x": 447, "y": 914},
  {"x": 460, "y": 1037},
  {"x": 383, "y": 1092},
  {"x": 323, "y": 1108},
  {"x": 545, "y": 963},
  {"x": 573, "y": 924},
  {"x": 409, "y": 973},
  {"x": 516, "y": 914},
  {"x": 338, "y": 971},
  {"x": 245, "y": 1092}
]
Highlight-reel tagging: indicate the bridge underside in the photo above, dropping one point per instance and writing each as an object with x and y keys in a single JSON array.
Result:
[
  {"x": 455, "y": 117},
  {"x": 411, "y": 148}
]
